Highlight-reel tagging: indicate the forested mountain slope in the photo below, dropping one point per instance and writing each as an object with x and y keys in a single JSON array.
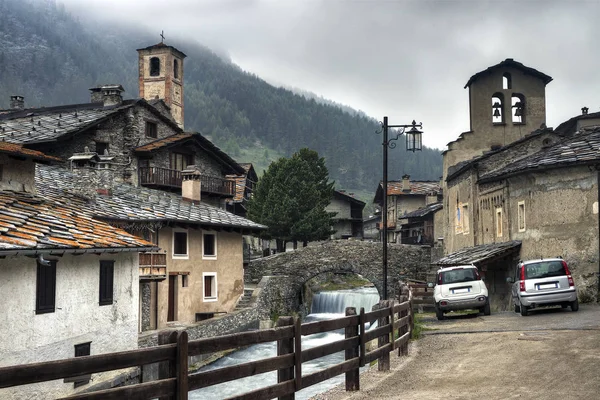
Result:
[{"x": 52, "y": 58}]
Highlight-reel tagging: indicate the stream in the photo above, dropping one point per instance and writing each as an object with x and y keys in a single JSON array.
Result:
[{"x": 326, "y": 305}]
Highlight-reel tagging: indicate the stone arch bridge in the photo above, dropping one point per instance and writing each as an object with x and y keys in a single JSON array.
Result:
[{"x": 343, "y": 256}]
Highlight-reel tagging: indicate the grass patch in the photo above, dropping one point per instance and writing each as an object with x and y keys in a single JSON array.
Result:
[
  {"x": 419, "y": 327},
  {"x": 344, "y": 282}
]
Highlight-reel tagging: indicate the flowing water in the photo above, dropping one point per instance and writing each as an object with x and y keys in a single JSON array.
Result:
[{"x": 326, "y": 305}]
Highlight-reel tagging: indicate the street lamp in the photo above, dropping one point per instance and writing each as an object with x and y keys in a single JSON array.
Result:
[{"x": 413, "y": 143}]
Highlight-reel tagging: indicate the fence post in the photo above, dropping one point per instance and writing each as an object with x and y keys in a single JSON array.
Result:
[
  {"x": 285, "y": 346},
  {"x": 361, "y": 327},
  {"x": 298, "y": 353},
  {"x": 383, "y": 363},
  {"x": 182, "y": 366},
  {"x": 167, "y": 369},
  {"x": 352, "y": 377},
  {"x": 404, "y": 297}
]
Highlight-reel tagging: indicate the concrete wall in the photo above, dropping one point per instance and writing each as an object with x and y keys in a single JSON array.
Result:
[
  {"x": 17, "y": 175},
  {"x": 228, "y": 266},
  {"x": 78, "y": 318}
]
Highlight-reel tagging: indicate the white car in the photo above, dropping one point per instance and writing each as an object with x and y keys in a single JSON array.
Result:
[{"x": 460, "y": 288}]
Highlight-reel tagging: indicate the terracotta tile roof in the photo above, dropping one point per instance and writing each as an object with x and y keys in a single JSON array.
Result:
[
  {"x": 137, "y": 204},
  {"x": 481, "y": 254},
  {"x": 18, "y": 150},
  {"x": 581, "y": 149},
  {"x": 416, "y": 188},
  {"x": 30, "y": 222}
]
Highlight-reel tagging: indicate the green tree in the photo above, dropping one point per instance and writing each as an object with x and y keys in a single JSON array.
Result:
[{"x": 290, "y": 198}]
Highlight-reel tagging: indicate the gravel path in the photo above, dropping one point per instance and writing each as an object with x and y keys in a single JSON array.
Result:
[{"x": 550, "y": 354}]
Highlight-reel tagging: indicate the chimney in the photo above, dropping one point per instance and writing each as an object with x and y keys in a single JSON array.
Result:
[
  {"x": 431, "y": 198},
  {"x": 17, "y": 102},
  {"x": 584, "y": 110},
  {"x": 96, "y": 95},
  {"x": 406, "y": 183},
  {"x": 111, "y": 95},
  {"x": 190, "y": 184}
]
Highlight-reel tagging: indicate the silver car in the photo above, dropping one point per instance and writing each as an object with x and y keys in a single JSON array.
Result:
[{"x": 542, "y": 283}]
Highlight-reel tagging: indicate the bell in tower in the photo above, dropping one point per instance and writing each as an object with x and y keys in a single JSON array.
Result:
[{"x": 161, "y": 76}]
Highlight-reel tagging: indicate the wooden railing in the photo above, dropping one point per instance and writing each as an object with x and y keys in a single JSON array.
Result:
[
  {"x": 393, "y": 333},
  {"x": 156, "y": 176},
  {"x": 153, "y": 266},
  {"x": 422, "y": 297}
]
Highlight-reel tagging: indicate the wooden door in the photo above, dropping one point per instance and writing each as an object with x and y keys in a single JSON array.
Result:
[{"x": 172, "y": 297}]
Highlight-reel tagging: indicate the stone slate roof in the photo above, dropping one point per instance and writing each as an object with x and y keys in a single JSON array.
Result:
[
  {"x": 162, "y": 45},
  {"x": 18, "y": 150},
  {"x": 200, "y": 140},
  {"x": 569, "y": 127},
  {"x": 422, "y": 212},
  {"x": 135, "y": 204},
  {"x": 31, "y": 224},
  {"x": 581, "y": 149},
  {"x": 348, "y": 197},
  {"x": 34, "y": 125},
  {"x": 478, "y": 255},
  {"x": 509, "y": 62}
]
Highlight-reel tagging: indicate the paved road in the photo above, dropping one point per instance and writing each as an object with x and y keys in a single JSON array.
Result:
[{"x": 550, "y": 354}]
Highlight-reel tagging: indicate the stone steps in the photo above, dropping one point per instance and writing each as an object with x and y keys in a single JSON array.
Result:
[{"x": 246, "y": 300}]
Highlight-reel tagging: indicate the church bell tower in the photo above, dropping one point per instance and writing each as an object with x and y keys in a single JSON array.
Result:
[{"x": 161, "y": 76}]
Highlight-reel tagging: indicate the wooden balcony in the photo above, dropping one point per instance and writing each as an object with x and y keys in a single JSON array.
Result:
[
  {"x": 153, "y": 266},
  {"x": 171, "y": 178}
]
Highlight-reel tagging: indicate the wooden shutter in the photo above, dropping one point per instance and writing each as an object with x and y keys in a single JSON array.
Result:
[
  {"x": 208, "y": 286},
  {"x": 107, "y": 269}
]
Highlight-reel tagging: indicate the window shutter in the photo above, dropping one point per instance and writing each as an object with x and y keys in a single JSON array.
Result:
[
  {"x": 207, "y": 286},
  {"x": 107, "y": 269},
  {"x": 45, "y": 288}
]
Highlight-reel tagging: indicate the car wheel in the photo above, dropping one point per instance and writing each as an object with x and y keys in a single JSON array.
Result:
[
  {"x": 517, "y": 308},
  {"x": 575, "y": 305},
  {"x": 524, "y": 310},
  {"x": 439, "y": 314},
  {"x": 486, "y": 308}
]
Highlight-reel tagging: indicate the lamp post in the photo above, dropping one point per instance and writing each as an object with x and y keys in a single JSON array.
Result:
[{"x": 413, "y": 143}]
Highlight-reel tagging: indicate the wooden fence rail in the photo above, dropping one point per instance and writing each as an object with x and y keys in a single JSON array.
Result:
[{"x": 393, "y": 332}]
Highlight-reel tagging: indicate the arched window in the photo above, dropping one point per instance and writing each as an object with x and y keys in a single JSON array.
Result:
[
  {"x": 517, "y": 101},
  {"x": 506, "y": 81},
  {"x": 176, "y": 68},
  {"x": 154, "y": 66},
  {"x": 498, "y": 108}
]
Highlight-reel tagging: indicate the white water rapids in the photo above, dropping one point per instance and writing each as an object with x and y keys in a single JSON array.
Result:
[{"x": 326, "y": 305}]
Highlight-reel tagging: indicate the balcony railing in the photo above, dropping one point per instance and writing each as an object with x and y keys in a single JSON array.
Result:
[
  {"x": 156, "y": 176},
  {"x": 153, "y": 266}
]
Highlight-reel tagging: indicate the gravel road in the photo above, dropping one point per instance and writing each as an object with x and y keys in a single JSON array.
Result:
[{"x": 550, "y": 354}]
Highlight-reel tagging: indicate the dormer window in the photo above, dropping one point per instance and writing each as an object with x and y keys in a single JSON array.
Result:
[
  {"x": 154, "y": 66},
  {"x": 506, "y": 81}
]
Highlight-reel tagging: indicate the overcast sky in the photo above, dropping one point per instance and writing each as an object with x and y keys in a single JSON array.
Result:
[{"x": 404, "y": 59}]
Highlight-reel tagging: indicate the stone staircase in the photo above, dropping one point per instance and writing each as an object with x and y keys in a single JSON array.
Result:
[{"x": 246, "y": 300}]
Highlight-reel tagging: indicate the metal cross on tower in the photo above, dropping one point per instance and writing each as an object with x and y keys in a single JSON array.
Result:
[{"x": 162, "y": 35}]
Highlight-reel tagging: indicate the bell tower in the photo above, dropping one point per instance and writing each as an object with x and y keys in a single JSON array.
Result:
[{"x": 161, "y": 76}]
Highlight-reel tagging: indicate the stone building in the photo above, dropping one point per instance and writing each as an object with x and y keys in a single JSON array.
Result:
[
  {"x": 518, "y": 190},
  {"x": 348, "y": 218},
  {"x": 68, "y": 280},
  {"x": 404, "y": 197},
  {"x": 132, "y": 159}
]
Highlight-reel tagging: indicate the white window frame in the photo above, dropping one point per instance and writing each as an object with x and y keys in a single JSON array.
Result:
[
  {"x": 498, "y": 221},
  {"x": 465, "y": 219},
  {"x": 521, "y": 216},
  {"x": 215, "y": 287},
  {"x": 209, "y": 256},
  {"x": 187, "y": 245}
]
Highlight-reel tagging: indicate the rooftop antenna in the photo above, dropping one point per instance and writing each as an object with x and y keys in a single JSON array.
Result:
[{"x": 162, "y": 35}]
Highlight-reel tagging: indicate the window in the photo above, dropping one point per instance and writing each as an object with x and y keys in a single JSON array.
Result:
[
  {"x": 209, "y": 246},
  {"x": 154, "y": 66},
  {"x": 101, "y": 148},
  {"x": 210, "y": 286},
  {"x": 499, "y": 222},
  {"x": 45, "y": 287},
  {"x": 518, "y": 108},
  {"x": 180, "y": 243},
  {"x": 465, "y": 218},
  {"x": 81, "y": 350},
  {"x": 151, "y": 130},
  {"x": 521, "y": 216},
  {"x": 180, "y": 161},
  {"x": 498, "y": 108},
  {"x": 176, "y": 68},
  {"x": 107, "y": 274},
  {"x": 506, "y": 81},
  {"x": 184, "y": 281}
]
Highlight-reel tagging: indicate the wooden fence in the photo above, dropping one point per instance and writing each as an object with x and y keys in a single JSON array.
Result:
[
  {"x": 422, "y": 297},
  {"x": 393, "y": 333}
]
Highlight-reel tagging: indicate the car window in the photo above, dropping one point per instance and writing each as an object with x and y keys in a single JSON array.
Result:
[
  {"x": 544, "y": 270},
  {"x": 458, "y": 275}
]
